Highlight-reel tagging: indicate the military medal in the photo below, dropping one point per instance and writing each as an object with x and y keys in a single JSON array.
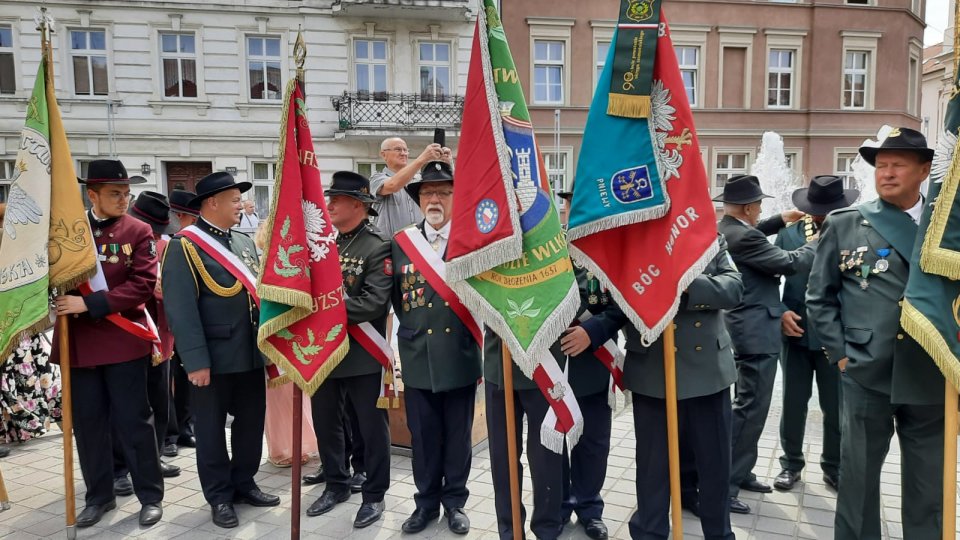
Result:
[
  {"x": 102, "y": 256},
  {"x": 864, "y": 273},
  {"x": 883, "y": 264},
  {"x": 843, "y": 262},
  {"x": 98, "y": 233},
  {"x": 592, "y": 288},
  {"x": 127, "y": 249}
]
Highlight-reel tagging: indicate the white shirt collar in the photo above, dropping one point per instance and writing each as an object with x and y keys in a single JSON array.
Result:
[
  {"x": 432, "y": 234},
  {"x": 916, "y": 211}
]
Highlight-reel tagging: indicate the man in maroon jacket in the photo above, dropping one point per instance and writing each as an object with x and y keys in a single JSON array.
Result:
[{"x": 109, "y": 354}]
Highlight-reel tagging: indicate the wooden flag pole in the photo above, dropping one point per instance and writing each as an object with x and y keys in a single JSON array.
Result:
[
  {"x": 512, "y": 442},
  {"x": 295, "y": 468},
  {"x": 949, "y": 462},
  {"x": 673, "y": 437},
  {"x": 66, "y": 407}
]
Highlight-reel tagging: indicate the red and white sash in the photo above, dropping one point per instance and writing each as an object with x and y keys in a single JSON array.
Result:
[
  {"x": 434, "y": 270},
  {"x": 379, "y": 348},
  {"x": 612, "y": 358},
  {"x": 564, "y": 409},
  {"x": 147, "y": 333}
]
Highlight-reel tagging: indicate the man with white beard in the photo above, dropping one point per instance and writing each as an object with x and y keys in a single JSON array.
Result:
[{"x": 439, "y": 343}]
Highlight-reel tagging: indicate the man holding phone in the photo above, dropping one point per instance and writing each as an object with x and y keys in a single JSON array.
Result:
[{"x": 397, "y": 210}]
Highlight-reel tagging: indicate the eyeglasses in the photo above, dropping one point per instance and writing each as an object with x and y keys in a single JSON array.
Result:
[
  {"x": 118, "y": 195},
  {"x": 398, "y": 150},
  {"x": 442, "y": 194}
]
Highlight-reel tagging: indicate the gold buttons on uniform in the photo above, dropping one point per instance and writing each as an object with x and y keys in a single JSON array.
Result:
[
  {"x": 447, "y": 330},
  {"x": 430, "y": 331},
  {"x": 698, "y": 324},
  {"x": 430, "y": 304},
  {"x": 899, "y": 336},
  {"x": 446, "y": 304},
  {"x": 698, "y": 348}
]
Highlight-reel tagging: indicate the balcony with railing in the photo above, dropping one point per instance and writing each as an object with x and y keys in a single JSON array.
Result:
[
  {"x": 375, "y": 111},
  {"x": 435, "y": 10}
]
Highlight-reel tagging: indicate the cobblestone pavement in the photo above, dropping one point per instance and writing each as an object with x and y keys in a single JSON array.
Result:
[{"x": 34, "y": 481}]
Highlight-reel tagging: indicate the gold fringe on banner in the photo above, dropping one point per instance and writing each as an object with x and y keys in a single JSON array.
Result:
[
  {"x": 926, "y": 334},
  {"x": 934, "y": 258},
  {"x": 629, "y": 106}
]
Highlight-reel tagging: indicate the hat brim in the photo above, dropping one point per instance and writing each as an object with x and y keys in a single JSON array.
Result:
[
  {"x": 869, "y": 153},
  {"x": 362, "y": 197},
  {"x": 102, "y": 181},
  {"x": 170, "y": 228},
  {"x": 754, "y": 199},
  {"x": 177, "y": 209},
  {"x": 803, "y": 204},
  {"x": 242, "y": 186},
  {"x": 413, "y": 188}
]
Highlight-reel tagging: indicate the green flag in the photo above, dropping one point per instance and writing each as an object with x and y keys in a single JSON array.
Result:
[{"x": 931, "y": 309}]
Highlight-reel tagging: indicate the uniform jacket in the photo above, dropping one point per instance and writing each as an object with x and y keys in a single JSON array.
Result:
[
  {"x": 437, "y": 351},
  {"x": 704, "y": 358},
  {"x": 366, "y": 268},
  {"x": 131, "y": 278},
  {"x": 795, "y": 286},
  {"x": 755, "y": 323},
  {"x": 211, "y": 330},
  {"x": 587, "y": 375},
  {"x": 863, "y": 324}
]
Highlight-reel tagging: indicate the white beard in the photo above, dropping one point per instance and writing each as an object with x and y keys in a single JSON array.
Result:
[{"x": 434, "y": 216}]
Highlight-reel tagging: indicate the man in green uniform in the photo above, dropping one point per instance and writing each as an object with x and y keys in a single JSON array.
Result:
[
  {"x": 888, "y": 381},
  {"x": 801, "y": 356}
]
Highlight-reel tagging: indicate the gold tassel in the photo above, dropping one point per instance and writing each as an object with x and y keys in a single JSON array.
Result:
[
  {"x": 926, "y": 334},
  {"x": 629, "y": 106}
]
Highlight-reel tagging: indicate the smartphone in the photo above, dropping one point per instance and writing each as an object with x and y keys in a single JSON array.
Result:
[{"x": 440, "y": 136}]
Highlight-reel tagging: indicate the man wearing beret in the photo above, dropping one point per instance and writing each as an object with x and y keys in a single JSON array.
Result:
[
  {"x": 888, "y": 381},
  {"x": 111, "y": 350},
  {"x": 439, "y": 342},
  {"x": 754, "y": 325},
  {"x": 209, "y": 287},
  {"x": 801, "y": 357},
  {"x": 365, "y": 264}
]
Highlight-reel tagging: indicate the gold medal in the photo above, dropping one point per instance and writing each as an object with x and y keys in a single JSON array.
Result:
[
  {"x": 113, "y": 259},
  {"x": 406, "y": 307},
  {"x": 421, "y": 301},
  {"x": 592, "y": 299}
]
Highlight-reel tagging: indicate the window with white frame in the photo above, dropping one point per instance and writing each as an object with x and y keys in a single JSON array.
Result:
[
  {"x": 555, "y": 163},
  {"x": 913, "y": 76},
  {"x": 83, "y": 166},
  {"x": 370, "y": 62},
  {"x": 843, "y": 167},
  {"x": 178, "y": 57},
  {"x": 263, "y": 67},
  {"x": 367, "y": 168},
  {"x": 88, "y": 55},
  {"x": 434, "y": 70},
  {"x": 602, "y": 48},
  {"x": 689, "y": 60},
  {"x": 792, "y": 161},
  {"x": 727, "y": 165},
  {"x": 8, "y": 76},
  {"x": 780, "y": 70},
  {"x": 264, "y": 173},
  {"x": 548, "y": 64},
  {"x": 6, "y": 177},
  {"x": 855, "y": 76}
]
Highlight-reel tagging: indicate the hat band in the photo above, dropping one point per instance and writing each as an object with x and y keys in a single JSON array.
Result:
[
  {"x": 150, "y": 217},
  {"x": 185, "y": 209}
]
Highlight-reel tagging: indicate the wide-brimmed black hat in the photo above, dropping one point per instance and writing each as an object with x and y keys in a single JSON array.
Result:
[
  {"x": 824, "y": 195},
  {"x": 435, "y": 171},
  {"x": 214, "y": 183},
  {"x": 905, "y": 139},
  {"x": 565, "y": 195},
  {"x": 153, "y": 209},
  {"x": 742, "y": 189},
  {"x": 353, "y": 185},
  {"x": 180, "y": 202},
  {"x": 109, "y": 171}
]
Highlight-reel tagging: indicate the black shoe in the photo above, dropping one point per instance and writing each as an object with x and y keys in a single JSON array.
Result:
[
  {"x": 328, "y": 499},
  {"x": 169, "y": 450},
  {"x": 316, "y": 478},
  {"x": 786, "y": 480},
  {"x": 255, "y": 497},
  {"x": 224, "y": 515},
  {"x": 738, "y": 507},
  {"x": 756, "y": 486},
  {"x": 419, "y": 520},
  {"x": 189, "y": 441},
  {"x": 150, "y": 514},
  {"x": 356, "y": 482},
  {"x": 4, "y": 451},
  {"x": 369, "y": 513},
  {"x": 93, "y": 513},
  {"x": 168, "y": 470},
  {"x": 832, "y": 481},
  {"x": 595, "y": 528},
  {"x": 122, "y": 486},
  {"x": 457, "y": 521}
]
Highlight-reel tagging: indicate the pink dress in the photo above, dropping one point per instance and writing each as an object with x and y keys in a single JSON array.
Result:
[{"x": 279, "y": 427}]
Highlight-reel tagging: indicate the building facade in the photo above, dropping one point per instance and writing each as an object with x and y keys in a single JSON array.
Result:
[
  {"x": 177, "y": 89},
  {"x": 824, "y": 74},
  {"x": 937, "y": 85}
]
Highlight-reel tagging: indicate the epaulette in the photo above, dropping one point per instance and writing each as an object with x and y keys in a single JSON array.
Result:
[{"x": 374, "y": 230}]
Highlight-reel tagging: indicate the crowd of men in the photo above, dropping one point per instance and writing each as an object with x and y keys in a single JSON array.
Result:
[{"x": 837, "y": 320}]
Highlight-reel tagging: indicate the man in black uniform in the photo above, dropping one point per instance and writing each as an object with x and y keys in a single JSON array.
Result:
[
  {"x": 439, "y": 342},
  {"x": 209, "y": 285},
  {"x": 364, "y": 260}
]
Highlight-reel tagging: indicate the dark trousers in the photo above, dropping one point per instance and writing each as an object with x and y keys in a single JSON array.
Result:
[
  {"x": 867, "y": 423},
  {"x": 115, "y": 395},
  {"x": 704, "y": 424},
  {"x": 374, "y": 426},
  {"x": 158, "y": 395},
  {"x": 441, "y": 424},
  {"x": 242, "y": 395},
  {"x": 352, "y": 439},
  {"x": 586, "y": 469},
  {"x": 181, "y": 420},
  {"x": 689, "y": 493},
  {"x": 544, "y": 464},
  {"x": 751, "y": 403},
  {"x": 799, "y": 365}
]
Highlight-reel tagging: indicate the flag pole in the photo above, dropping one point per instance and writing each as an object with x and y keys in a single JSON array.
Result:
[
  {"x": 511, "y": 440},
  {"x": 949, "y": 461},
  {"x": 673, "y": 439}
]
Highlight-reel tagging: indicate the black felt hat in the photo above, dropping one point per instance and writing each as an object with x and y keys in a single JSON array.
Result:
[
  {"x": 109, "y": 171},
  {"x": 742, "y": 189},
  {"x": 214, "y": 183},
  {"x": 565, "y": 195},
  {"x": 904, "y": 139},
  {"x": 435, "y": 171},
  {"x": 353, "y": 185},
  {"x": 180, "y": 202},
  {"x": 824, "y": 195},
  {"x": 153, "y": 209}
]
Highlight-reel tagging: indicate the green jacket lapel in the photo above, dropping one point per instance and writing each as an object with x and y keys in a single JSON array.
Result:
[{"x": 893, "y": 224}]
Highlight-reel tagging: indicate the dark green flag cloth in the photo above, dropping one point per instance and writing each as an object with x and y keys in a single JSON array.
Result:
[
  {"x": 931, "y": 309},
  {"x": 635, "y": 47}
]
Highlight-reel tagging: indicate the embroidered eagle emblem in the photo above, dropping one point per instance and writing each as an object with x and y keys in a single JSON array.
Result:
[{"x": 314, "y": 222}]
